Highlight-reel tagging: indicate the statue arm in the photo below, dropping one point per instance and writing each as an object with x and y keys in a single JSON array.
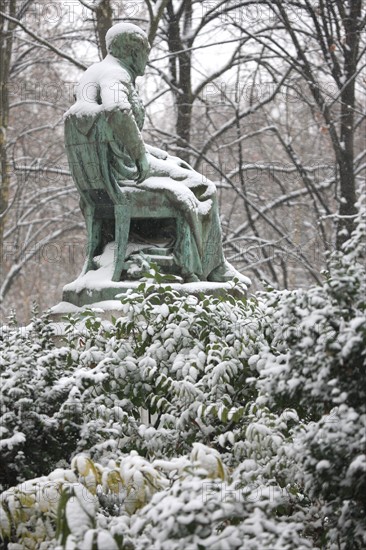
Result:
[{"x": 123, "y": 124}]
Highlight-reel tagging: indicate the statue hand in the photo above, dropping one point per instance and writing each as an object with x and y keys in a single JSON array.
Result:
[{"x": 142, "y": 168}]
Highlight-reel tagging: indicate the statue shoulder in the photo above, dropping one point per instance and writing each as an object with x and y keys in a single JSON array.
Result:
[
  {"x": 110, "y": 69},
  {"x": 103, "y": 86},
  {"x": 87, "y": 93},
  {"x": 92, "y": 73},
  {"x": 107, "y": 70}
]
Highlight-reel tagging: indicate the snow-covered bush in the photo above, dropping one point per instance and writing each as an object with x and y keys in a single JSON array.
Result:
[
  {"x": 331, "y": 467},
  {"x": 33, "y": 435},
  {"x": 184, "y": 360},
  {"x": 317, "y": 352},
  {"x": 316, "y": 363},
  {"x": 180, "y": 503},
  {"x": 192, "y": 423}
]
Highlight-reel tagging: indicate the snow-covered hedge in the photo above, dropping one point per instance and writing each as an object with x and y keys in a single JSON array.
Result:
[{"x": 192, "y": 423}]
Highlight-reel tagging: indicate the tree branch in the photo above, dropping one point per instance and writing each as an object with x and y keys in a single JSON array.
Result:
[{"x": 41, "y": 40}]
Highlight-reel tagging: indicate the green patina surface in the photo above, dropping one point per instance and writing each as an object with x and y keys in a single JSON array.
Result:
[{"x": 120, "y": 178}]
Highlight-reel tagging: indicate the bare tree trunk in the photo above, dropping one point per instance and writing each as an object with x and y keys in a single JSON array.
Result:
[
  {"x": 347, "y": 209},
  {"x": 104, "y": 20},
  {"x": 180, "y": 67},
  {"x": 6, "y": 42},
  {"x": 184, "y": 106}
]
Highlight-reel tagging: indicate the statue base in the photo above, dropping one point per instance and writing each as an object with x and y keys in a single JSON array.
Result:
[
  {"x": 96, "y": 285},
  {"x": 103, "y": 298},
  {"x": 104, "y": 302},
  {"x": 80, "y": 294}
]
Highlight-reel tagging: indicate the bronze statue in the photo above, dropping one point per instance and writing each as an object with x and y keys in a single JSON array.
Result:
[{"x": 121, "y": 179}]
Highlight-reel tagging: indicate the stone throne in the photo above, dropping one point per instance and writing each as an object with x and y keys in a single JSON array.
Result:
[{"x": 109, "y": 208}]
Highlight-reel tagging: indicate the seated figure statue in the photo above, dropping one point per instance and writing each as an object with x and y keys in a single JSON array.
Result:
[{"x": 106, "y": 121}]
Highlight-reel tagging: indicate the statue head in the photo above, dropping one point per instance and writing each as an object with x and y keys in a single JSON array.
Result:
[{"x": 129, "y": 44}]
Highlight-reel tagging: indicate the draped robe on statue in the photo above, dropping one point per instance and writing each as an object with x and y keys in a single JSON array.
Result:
[{"x": 103, "y": 142}]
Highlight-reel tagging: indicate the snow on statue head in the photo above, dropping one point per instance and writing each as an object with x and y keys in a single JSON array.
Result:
[{"x": 123, "y": 38}]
